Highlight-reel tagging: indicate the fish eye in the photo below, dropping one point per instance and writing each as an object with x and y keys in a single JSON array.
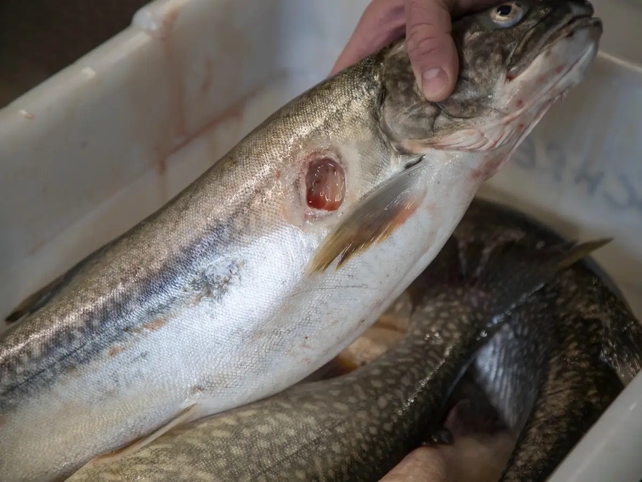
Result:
[{"x": 507, "y": 14}]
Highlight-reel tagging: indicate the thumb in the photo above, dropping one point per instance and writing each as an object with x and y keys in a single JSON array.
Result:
[{"x": 431, "y": 48}]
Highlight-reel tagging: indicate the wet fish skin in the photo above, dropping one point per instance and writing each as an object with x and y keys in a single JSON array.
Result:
[
  {"x": 355, "y": 427},
  {"x": 553, "y": 368},
  {"x": 198, "y": 309},
  {"x": 359, "y": 426}
]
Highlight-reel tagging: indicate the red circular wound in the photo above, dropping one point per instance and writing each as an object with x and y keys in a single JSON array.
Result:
[{"x": 326, "y": 184}]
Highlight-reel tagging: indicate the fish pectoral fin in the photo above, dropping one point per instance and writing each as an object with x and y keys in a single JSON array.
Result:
[
  {"x": 375, "y": 218},
  {"x": 187, "y": 415}
]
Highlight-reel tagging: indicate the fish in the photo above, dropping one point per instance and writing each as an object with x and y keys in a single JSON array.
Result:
[
  {"x": 283, "y": 252},
  {"x": 563, "y": 354},
  {"x": 562, "y": 357},
  {"x": 358, "y": 426}
]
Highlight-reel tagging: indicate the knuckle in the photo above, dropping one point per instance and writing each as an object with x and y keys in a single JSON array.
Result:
[
  {"x": 378, "y": 6},
  {"x": 422, "y": 40},
  {"x": 385, "y": 13}
]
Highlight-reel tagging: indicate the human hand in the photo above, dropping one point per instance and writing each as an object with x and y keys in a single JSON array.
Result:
[{"x": 427, "y": 26}]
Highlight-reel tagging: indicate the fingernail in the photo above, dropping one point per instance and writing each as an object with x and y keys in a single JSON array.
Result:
[{"x": 434, "y": 81}]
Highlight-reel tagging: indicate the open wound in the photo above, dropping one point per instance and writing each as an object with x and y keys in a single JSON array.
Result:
[{"x": 325, "y": 183}]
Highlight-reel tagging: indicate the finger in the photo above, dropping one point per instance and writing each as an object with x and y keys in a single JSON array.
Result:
[
  {"x": 382, "y": 22},
  {"x": 421, "y": 465},
  {"x": 430, "y": 45},
  {"x": 462, "y": 7},
  {"x": 431, "y": 48}
]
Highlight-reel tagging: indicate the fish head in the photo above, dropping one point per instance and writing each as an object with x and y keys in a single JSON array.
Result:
[{"x": 516, "y": 60}]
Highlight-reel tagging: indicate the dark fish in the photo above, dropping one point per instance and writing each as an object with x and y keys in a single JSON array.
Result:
[{"x": 553, "y": 368}]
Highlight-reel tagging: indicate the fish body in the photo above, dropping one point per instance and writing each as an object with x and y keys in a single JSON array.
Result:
[
  {"x": 359, "y": 426},
  {"x": 354, "y": 427},
  {"x": 562, "y": 356},
  {"x": 284, "y": 252}
]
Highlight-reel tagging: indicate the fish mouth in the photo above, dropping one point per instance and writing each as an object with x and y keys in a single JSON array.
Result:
[
  {"x": 593, "y": 24},
  {"x": 546, "y": 41},
  {"x": 588, "y": 51},
  {"x": 544, "y": 101}
]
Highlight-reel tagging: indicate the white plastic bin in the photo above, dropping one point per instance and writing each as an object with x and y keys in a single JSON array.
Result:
[{"x": 107, "y": 141}]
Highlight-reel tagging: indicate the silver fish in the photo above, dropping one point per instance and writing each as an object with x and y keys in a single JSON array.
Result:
[
  {"x": 352, "y": 428},
  {"x": 284, "y": 252}
]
